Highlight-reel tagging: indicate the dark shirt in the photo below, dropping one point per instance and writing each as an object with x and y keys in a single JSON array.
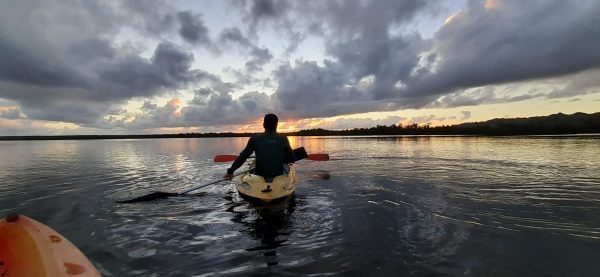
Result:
[{"x": 272, "y": 151}]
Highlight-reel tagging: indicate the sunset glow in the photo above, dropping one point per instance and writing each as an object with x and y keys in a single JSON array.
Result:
[
  {"x": 491, "y": 4},
  {"x": 451, "y": 18}
]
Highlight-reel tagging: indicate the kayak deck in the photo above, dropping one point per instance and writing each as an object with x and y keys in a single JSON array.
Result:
[
  {"x": 30, "y": 248},
  {"x": 257, "y": 188}
]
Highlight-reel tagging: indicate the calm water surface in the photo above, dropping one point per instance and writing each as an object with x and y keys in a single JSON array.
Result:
[{"x": 383, "y": 206}]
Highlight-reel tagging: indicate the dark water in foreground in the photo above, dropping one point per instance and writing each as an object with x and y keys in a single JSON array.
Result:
[{"x": 389, "y": 206}]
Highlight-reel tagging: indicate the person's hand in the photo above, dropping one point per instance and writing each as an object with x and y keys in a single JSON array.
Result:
[{"x": 228, "y": 176}]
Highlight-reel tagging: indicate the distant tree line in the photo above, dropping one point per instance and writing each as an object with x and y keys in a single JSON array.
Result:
[{"x": 556, "y": 124}]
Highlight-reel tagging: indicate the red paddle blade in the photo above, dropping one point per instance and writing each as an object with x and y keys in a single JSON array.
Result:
[
  {"x": 318, "y": 157},
  {"x": 224, "y": 158}
]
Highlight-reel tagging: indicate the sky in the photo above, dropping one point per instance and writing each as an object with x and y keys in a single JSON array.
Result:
[{"x": 153, "y": 66}]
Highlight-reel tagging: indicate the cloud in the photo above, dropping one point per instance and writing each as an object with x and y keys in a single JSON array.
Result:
[
  {"x": 350, "y": 123},
  {"x": 169, "y": 68},
  {"x": 69, "y": 52},
  {"x": 81, "y": 62},
  {"x": 357, "y": 34},
  {"x": 112, "y": 83},
  {"x": 426, "y": 119},
  {"x": 465, "y": 115},
  {"x": 154, "y": 116},
  {"x": 267, "y": 8},
  {"x": 481, "y": 46},
  {"x": 579, "y": 84},
  {"x": 279, "y": 14},
  {"x": 10, "y": 113},
  {"x": 259, "y": 56},
  {"x": 514, "y": 41},
  {"x": 208, "y": 108},
  {"x": 257, "y": 11},
  {"x": 148, "y": 106},
  {"x": 69, "y": 63},
  {"x": 309, "y": 90},
  {"x": 219, "y": 108},
  {"x": 192, "y": 29}
]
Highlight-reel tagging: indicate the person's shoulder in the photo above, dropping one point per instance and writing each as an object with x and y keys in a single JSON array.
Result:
[
  {"x": 256, "y": 137},
  {"x": 283, "y": 138}
]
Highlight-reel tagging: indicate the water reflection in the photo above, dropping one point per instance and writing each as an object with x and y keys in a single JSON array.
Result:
[
  {"x": 269, "y": 225},
  {"x": 381, "y": 206}
]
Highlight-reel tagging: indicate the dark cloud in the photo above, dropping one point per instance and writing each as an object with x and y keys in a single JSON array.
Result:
[
  {"x": 309, "y": 90},
  {"x": 63, "y": 62},
  {"x": 97, "y": 48},
  {"x": 148, "y": 106},
  {"x": 370, "y": 63},
  {"x": 153, "y": 16},
  {"x": 201, "y": 97},
  {"x": 259, "y": 56},
  {"x": 578, "y": 84},
  {"x": 257, "y": 11},
  {"x": 278, "y": 14},
  {"x": 219, "y": 108},
  {"x": 510, "y": 42},
  {"x": 267, "y": 8},
  {"x": 29, "y": 67},
  {"x": 73, "y": 111},
  {"x": 169, "y": 68},
  {"x": 513, "y": 41},
  {"x": 111, "y": 84},
  {"x": 244, "y": 77},
  {"x": 192, "y": 29},
  {"x": 76, "y": 63},
  {"x": 234, "y": 35}
]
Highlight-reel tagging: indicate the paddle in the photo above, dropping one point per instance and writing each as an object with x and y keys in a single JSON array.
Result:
[
  {"x": 224, "y": 158},
  {"x": 300, "y": 154},
  {"x": 318, "y": 157},
  {"x": 164, "y": 194}
]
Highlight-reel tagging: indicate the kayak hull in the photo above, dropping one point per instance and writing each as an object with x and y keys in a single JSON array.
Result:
[
  {"x": 255, "y": 187},
  {"x": 30, "y": 248}
]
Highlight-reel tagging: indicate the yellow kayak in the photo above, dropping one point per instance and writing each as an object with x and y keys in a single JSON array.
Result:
[
  {"x": 256, "y": 187},
  {"x": 29, "y": 248}
]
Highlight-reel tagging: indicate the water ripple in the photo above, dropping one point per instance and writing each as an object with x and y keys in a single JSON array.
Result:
[{"x": 437, "y": 206}]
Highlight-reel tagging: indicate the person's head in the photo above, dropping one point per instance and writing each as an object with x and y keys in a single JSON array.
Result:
[{"x": 270, "y": 122}]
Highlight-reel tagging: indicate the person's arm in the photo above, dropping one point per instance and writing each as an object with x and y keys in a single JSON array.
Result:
[
  {"x": 241, "y": 158},
  {"x": 289, "y": 156}
]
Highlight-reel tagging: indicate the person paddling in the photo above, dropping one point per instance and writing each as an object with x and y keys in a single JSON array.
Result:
[{"x": 272, "y": 151}]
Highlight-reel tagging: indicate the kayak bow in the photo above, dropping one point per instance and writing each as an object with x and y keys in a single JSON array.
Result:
[{"x": 29, "y": 248}]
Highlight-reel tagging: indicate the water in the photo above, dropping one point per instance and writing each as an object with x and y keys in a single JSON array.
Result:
[{"x": 383, "y": 206}]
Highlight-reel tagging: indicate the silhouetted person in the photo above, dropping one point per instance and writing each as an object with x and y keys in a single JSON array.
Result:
[{"x": 272, "y": 151}]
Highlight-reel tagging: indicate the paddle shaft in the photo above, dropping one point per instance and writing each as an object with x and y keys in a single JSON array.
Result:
[{"x": 212, "y": 183}]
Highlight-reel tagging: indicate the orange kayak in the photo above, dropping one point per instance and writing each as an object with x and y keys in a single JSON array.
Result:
[{"x": 29, "y": 248}]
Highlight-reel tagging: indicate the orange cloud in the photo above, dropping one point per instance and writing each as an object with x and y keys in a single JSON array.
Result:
[
  {"x": 451, "y": 18},
  {"x": 491, "y": 4}
]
